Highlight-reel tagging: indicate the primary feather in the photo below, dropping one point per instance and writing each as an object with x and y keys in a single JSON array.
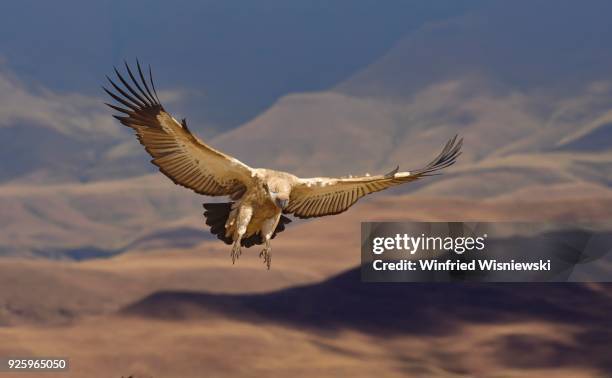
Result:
[{"x": 179, "y": 154}]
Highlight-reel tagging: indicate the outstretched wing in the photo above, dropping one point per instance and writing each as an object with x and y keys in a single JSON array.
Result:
[
  {"x": 178, "y": 153},
  {"x": 320, "y": 196}
]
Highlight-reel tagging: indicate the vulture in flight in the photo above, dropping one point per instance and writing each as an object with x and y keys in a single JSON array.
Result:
[{"x": 258, "y": 197}]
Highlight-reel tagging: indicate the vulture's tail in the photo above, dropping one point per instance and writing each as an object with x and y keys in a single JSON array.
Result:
[{"x": 216, "y": 216}]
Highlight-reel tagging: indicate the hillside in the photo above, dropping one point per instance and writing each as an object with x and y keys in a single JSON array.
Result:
[{"x": 73, "y": 177}]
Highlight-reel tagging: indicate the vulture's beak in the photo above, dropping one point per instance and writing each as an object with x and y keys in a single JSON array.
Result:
[{"x": 282, "y": 203}]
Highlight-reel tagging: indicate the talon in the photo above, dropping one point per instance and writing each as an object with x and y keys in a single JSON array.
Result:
[{"x": 267, "y": 257}]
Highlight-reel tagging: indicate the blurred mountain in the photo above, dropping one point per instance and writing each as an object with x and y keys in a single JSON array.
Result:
[
  {"x": 56, "y": 220},
  {"x": 220, "y": 63},
  {"x": 531, "y": 95},
  {"x": 554, "y": 46},
  {"x": 528, "y": 84},
  {"x": 509, "y": 81}
]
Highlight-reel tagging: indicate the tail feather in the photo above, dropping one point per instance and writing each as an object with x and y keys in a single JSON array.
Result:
[{"x": 216, "y": 215}]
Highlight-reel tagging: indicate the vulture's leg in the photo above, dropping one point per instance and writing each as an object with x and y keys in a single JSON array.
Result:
[
  {"x": 236, "y": 251},
  {"x": 242, "y": 221},
  {"x": 267, "y": 230},
  {"x": 266, "y": 252}
]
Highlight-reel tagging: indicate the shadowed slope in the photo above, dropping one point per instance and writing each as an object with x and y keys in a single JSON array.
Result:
[
  {"x": 345, "y": 302},
  {"x": 427, "y": 310}
]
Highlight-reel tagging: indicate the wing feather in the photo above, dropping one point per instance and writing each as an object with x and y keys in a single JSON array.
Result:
[
  {"x": 320, "y": 196},
  {"x": 178, "y": 153}
]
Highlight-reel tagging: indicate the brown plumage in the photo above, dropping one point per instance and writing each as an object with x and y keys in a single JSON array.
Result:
[{"x": 259, "y": 195}]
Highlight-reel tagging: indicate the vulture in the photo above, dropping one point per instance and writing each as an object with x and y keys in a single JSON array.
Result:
[{"x": 259, "y": 198}]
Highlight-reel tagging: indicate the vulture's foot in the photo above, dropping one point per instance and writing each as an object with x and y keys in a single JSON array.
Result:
[
  {"x": 267, "y": 256},
  {"x": 236, "y": 252}
]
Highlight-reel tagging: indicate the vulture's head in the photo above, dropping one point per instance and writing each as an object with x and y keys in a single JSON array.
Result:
[{"x": 279, "y": 193}]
